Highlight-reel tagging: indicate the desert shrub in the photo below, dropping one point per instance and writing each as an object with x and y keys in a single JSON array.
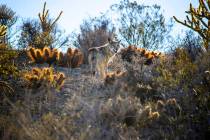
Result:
[
  {"x": 8, "y": 70},
  {"x": 132, "y": 55},
  {"x": 180, "y": 57},
  {"x": 41, "y": 88},
  {"x": 178, "y": 76},
  {"x": 140, "y": 24},
  {"x": 192, "y": 44},
  {"x": 8, "y": 75},
  {"x": 167, "y": 121},
  {"x": 186, "y": 80},
  {"x": 124, "y": 117},
  {"x": 7, "y": 67},
  {"x": 7, "y": 56},
  {"x": 138, "y": 65},
  {"x": 49, "y": 127},
  {"x": 93, "y": 32}
]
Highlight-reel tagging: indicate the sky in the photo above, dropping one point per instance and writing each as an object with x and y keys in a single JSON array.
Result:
[{"x": 74, "y": 11}]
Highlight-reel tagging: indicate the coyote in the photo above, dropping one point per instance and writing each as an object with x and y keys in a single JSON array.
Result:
[{"x": 98, "y": 57}]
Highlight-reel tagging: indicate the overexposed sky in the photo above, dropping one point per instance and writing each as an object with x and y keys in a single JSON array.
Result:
[{"x": 77, "y": 10}]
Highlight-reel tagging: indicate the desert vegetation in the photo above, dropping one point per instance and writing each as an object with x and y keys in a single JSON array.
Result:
[{"x": 152, "y": 88}]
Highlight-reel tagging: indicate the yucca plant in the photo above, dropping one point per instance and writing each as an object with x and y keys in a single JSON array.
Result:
[{"x": 199, "y": 20}]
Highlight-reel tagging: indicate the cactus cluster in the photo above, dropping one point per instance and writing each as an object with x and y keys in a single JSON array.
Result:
[
  {"x": 128, "y": 52},
  {"x": 148, "y": 115},
  {"x": 111, "y": 77},
  {"x": 162, "y": 111},
  {"x": 72, "y": 58},
  {"x": 38, "y": 77},
  {"x": 199, "y": 20},
  {"x": 45, "y": 55},
  {"x": 122, "y": 64},
  {"x": 170, "y": 107}
]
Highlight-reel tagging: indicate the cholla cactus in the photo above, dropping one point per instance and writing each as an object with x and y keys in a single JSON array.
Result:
[
  {"x": 113, "y": 76},
  {"x": 130, "y": 51},
  {"x": 50, "y": 55},
  {"x": 46, "y": 24},
  {"x": 42, "y": 77},
  {"x": 46, "y": 55},
  {"x": 72, "y": 58},
  {"x": 170, "y": 107},
  {"x": 77, "y": 58},
  {"x": 199, "y": 21},
  {"x": 3, "y": 30}
]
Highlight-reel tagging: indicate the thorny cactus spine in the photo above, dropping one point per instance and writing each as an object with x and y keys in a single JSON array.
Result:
[{"x": 199, "y": 21}]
